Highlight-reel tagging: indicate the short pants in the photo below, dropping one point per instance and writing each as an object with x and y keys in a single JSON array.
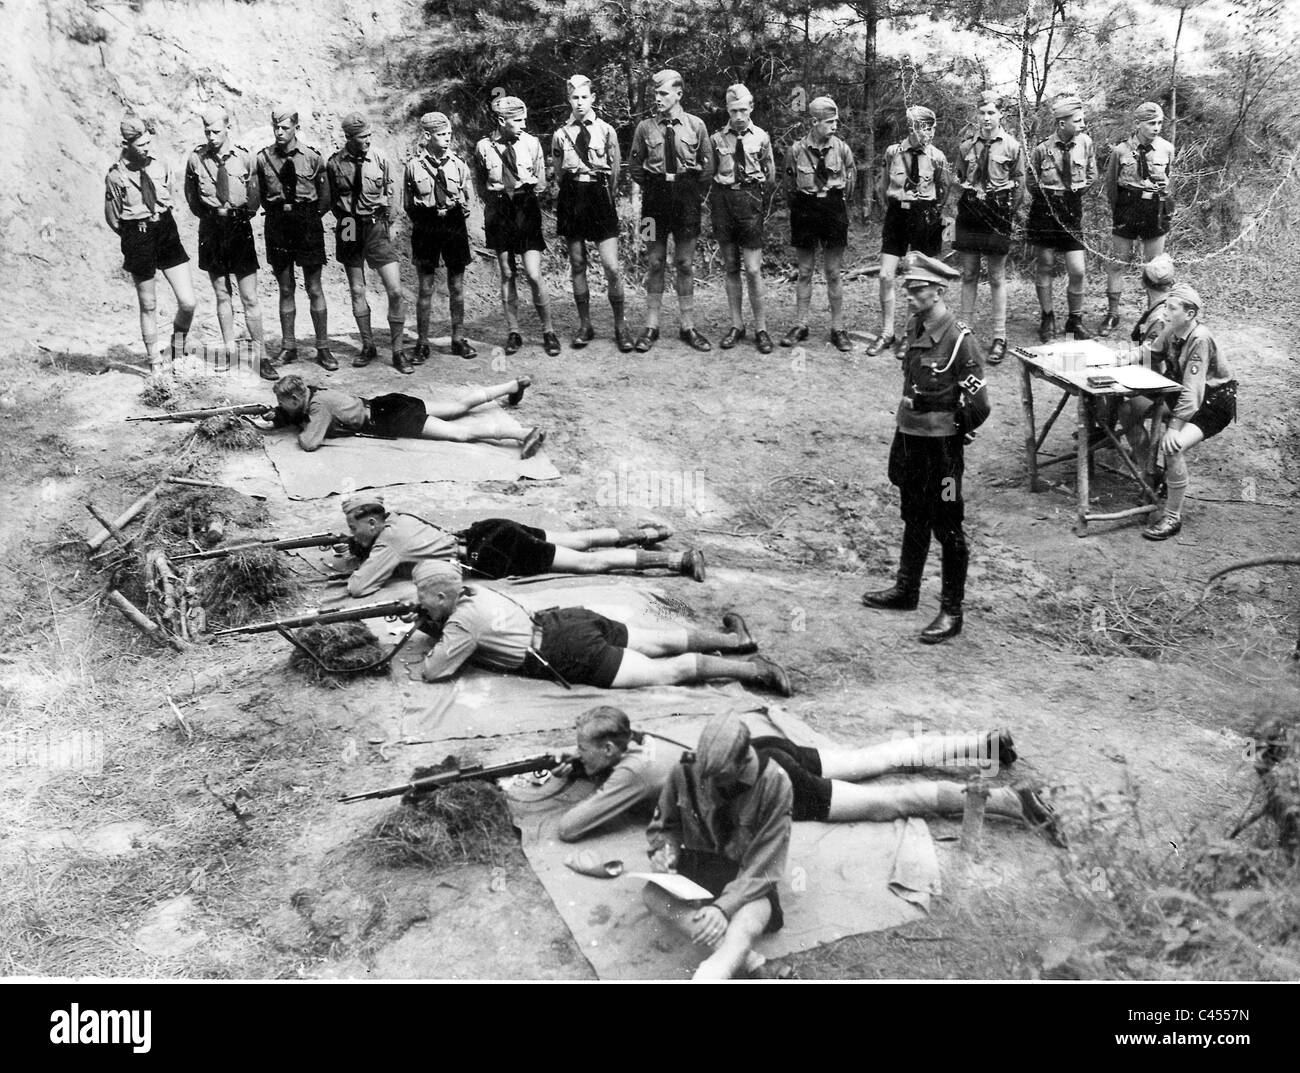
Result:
[
  {"x": 150, "y": 246},
  {"x": 498, "y": 547},
  {"x": 582, "y": 646}
]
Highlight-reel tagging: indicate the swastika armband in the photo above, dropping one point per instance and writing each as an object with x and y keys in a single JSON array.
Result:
[{"x": 972, "y": 385}]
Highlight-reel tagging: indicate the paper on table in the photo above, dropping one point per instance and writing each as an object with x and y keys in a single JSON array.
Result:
[
  {"x": 1140, "y": 378},
  {"x": 676, "y": 885}
]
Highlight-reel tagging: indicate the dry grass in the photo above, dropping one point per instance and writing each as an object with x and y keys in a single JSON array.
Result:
[
  {"x": 183, "y": 513},
  {"x": 244, "y": 585},
  {"x": 347, "y": 646},
  {"x": 229, "y": 432},
  {"x": 467, "y": 822}
]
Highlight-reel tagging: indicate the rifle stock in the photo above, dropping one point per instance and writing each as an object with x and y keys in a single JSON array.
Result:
[
  {"x": 430, "y": 783},
  {"x": 390, "y": 609},
  {"x": 212, "y": 411},
  {"x": 313, "y": 540}
]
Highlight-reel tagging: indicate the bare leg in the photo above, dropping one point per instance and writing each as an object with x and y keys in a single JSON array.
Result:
[
  {"x": 360, "y": 303},
  {"x": 182, "y": 285},
  {"x": 541, "y": 299},
  {"x": 390, "y": 275},
  {"x": 1044, "y": 266},
  {"x": 459, "y": 407},
  {"x": 252, "y": 309},
  {"x": 656, "y": 258},
  {"x": 997, "y": 263},
  {"x": 641, "y": 670},
  {"x": 807, "y": 260},
  {"x": 754, "y": 283},
  {"x": 456, "y": 303},
  {"x": 472, "y": 428},
  {"x": 1076, "y": 268},
  {"x": 850, "y": 802},
  {"x": 1123, "y": 253},
  {"x": 903, "y": 754},
  {"x": 970, "y": 284},
  {"x": 424, "y": 305},
  {"x": 613, "y": 281},
  {"x": 584, "y": 539},
  {"x": 509, "y": 292},
  {"x": 578, "y": 275},
  {"x": 146, "y": 293},
  {"x": 734, "y": 952},
  {"x": 833, "y": 266},
  {"x": 731, "y": 282},
  {"x": 288, "y": 308},
  {"x": 319, "y": 311},
  {"x": 684, "y": 264},
  {"x": 221, "y": 291}
]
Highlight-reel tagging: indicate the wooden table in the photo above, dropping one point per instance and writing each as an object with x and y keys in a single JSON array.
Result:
[{"x": 1064, "y": 366}]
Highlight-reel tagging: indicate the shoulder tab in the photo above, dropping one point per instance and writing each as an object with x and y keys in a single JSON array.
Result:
[
  {"x": 962, "y": 327},
  {"x": 198, "y": 149}
]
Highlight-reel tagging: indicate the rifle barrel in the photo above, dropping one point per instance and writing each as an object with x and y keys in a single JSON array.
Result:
[
  {"x": 390, "y": 609},
  {"x": 315, "y": 540},
  {"x": 543, "y": 762},
  {"x": 211, "y": 411}
]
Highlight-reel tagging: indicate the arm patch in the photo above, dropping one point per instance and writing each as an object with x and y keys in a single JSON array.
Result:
[{"x": 972, "y": 385}]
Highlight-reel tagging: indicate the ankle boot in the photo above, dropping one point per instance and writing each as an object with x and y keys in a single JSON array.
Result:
[
  {"x": 953, "y": 592},
  {"x": 903, "y": 595}
]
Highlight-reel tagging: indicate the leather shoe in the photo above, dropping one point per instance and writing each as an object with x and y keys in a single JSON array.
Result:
[
  {"x": 1164, "y": 528},
  {"x": 422, "y": 353},
  {"x": 734, "y": 336},
  {"x": 517, "y": 396},
  {"x": 464, "y": 348},
  {"x": 774, "y": 678},
  {"x": 514, "y": 341},
  {"x": 1074, "y": 326},
  {"x": 946, "y": 624},
  {"x": 1047, "y": 328},
  {"x": 1040, "y": 815},
  {"x": 895, "y": 598},
  {"x": 402, "y": 363},
  {"x": 367, "y": 355},
  {"x": 647, "y": 339},
  {"x": 287, "y": 356},
  {"x": 650, "y": 535},
  {"x": 551, "y": 343},
  {"x": 1001, "y": 739},
  {"x": 693, "y": 565},
  {"x": 623, "y": 340},
  {"x": 997, "y": 351},
  {"x": 1108, "y": 324},
  {"x": 325, "y": 359},
  {"x": 266, "y": 369},
  {"x": 797, "y": 334},
  {"x": 582, "y": 337},
  {"x": 840, "y": 340},
  {"x": 745, "y": 643},
  {"x": 532, "y": 442},
  {"x": 695, "y": 338},
  {"x": 881, "y": 342},
  {"x": 763, "y": 342}
]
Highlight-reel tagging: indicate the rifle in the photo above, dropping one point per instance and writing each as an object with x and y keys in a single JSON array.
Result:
[
  {"x": 313, "y": 540},
  {"x": 211, "y": 411},
  {"x": 431, "y": 783}
]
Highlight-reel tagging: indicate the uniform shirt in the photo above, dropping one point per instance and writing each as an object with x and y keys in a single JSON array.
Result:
[
  {"x": 530, "y": 162},
  {"x": 1048, "y": 159},
  {"x": 310, "y": 181},
  {"x": 940, "y": 377},
  {"x": 760, "y": 166},
  {"x": 375, "y": 193},
  {"x": 931, "y": 172},
  {"x": 1006, "y": 163},
  {"x": 801, "y": 171},
  {"x": 404, "y": 541},
  {"x": 1195, "y": 362},
  {"x": 751, "y": 829},
  {"x": 1151, "y": 324},
  {"x": 638, "y": 777},
  {"x": 1124, "y": 167},
  {"x": 203, "y": 172},
  {"x": 419, "y": 188},
  {"x": 124, "y": 192},
  {"x": 604, "y": 158},
  {"x": 329, "y": 413},
  {"x": 485, "y": 627},
  {"x": 691, "y": 136}
]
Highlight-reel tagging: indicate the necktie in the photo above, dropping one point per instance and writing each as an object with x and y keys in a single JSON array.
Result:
[
  {"x": 289, "y": 182},
  {"x": 914, "y": 168},
  {"x": 439, "y": 186},
  {"x": 147, "y": 192},
  {"x": 670, "y": 148},
  {"x": 509, "y": 168},
  {"x": 742, "y": 161},
  {"x": 820, "y": 171},
  {"x": 1144, "y": 168},
  {"x": 1067, "y": 165},
  {"x": 356, "y": 183},
  {"x": 982, "y": 168},
  {"x": 223, "y": 182},
  {"x": 584, "y": 142}
]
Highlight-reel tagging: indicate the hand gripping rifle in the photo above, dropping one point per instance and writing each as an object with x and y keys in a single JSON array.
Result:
[
  {"x": 464, "y": 773},
  {"x": 393, "y": 610},
  {"x": 312, "y": 540},
  {"x": 212, "y": 411}
]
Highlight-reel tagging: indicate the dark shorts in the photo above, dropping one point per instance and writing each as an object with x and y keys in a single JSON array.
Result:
[
  {"x": 400, "y": 416},
  {"x": 150, "y": 246},
  {"x": 294, "y": 236},
  {"x": 737, "y": 213},
  {"x": 927, "y": 471},
  {"x": 1056, "y": 220},
  {"x": 984, "y": 226},
  {"x": 918, "y": 227},
  {"x": 437, "y": 238},
  {"x": 713, "y": 872},
  {"x": 226, "y": 245},
  {"x": 819, "y": 221},
  {"x": 583, "y": 646},
  {"x": 1140, "y": 217},
  {"x": 812, "y": 793},
  {"x": 1218, "y": 409},
  {"x": 673, "y": 206},
  {"x": 585, "y": 211},
  {"x": 498, "y": 547},
  {"x": 361, "y": 241},
  {"x": 513, "y": 224}
]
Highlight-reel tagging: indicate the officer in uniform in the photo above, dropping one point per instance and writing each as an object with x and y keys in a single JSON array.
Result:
[
  {"x": 586, "y": 156},
  {"x": 1137, "y": 187},
  {"x": 435, "y": 194},
  {"x": 294, "y": 194},
  {"x": 742, "y": 166},
  {"x": 361, "y": 191},
  {"x": 138, "y": 209},
  {"x": 944, "y": 402},
  {"x": 221, "y": 190}
]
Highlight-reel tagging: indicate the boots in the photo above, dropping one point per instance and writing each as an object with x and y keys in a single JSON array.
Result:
[
  {"x": 1074, "y": 326},
  {"x": 1047, "y": 327},
  {"x": 905, "y": 593},
  {"x": 953, "y": 592}
]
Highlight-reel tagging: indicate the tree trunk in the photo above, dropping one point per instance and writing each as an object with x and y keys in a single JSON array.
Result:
[
  {"x": 870, "y": 91},
  {"x": 1173, "y": 75}
]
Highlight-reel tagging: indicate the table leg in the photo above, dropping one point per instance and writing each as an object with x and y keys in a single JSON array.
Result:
[
  {"x": 1031, "y": 434},
  {"x": 1083, "y": 425}
]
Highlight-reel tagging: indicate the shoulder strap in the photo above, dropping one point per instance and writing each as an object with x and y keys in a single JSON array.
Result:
[{"x": 962, "y": 332}]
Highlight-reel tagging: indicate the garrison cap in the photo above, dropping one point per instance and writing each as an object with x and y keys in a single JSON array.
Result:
[
  {"x": 133, "y": 126},
  {"x": 435, "y": 122},
  {"x": 362, "y": 499},
  {"x": 1159, "y": 271},
  {"x": 1145, "y": 113},
  {"x": 510, "y": 108},
  {"x": 921, "y": 270},
  {"x": 355, "y": 125},
  {"x": 1066, "y": 106},
  {"x": 667, "y": 77},
  {"x": 576, "y": 82},
  {"x": 919, "y": 113},
  {"x": 284, "y": 113},
  {"x": 739, "y": 94},
  {"x": 989, "y": 96},
  {"x": 723, "y": 739},
  {"x": 215, "y": 113},
  {"x": 435, "y": 572},
  {"x": 1185, "y": 294},
  {"x": 821, "y": 108}
]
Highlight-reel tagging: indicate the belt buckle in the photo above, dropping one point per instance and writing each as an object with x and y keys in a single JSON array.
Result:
[
  {"x": 1147, "y": 195},
  {"x": 287, "y": 206},
  {"x": 906, "y": 206},
  {"x": 909, "y": 402},
  {"x": 670, "y": 176},
  {"x": 143, "y": 226}
]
